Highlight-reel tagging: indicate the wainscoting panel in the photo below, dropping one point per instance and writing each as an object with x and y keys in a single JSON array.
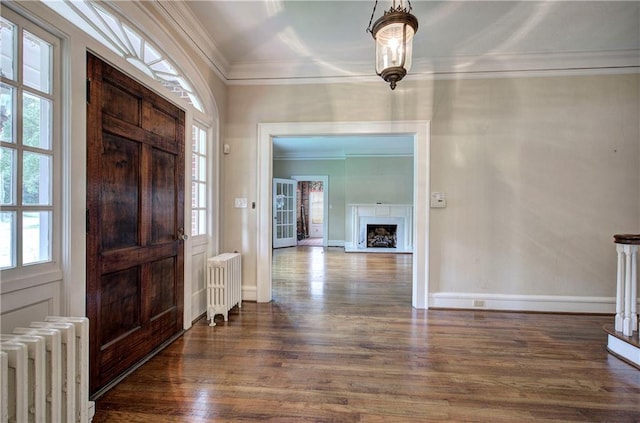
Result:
[{"x": 21, "y": 307}]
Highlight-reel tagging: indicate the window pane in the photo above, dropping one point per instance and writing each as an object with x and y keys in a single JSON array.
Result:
[
  {"x": 7, "y": 53},
  {"x": 36, "y": 69},
  {"x": 7, "y": 239},
  {"x": 163, "y": 67},
  {"x": 184, "y": 84},
  {"x": 114, "y": 24},
  {"x": 36, "y": 237},
  {"x": 194, "y": 139},
  {"x": 134, "y": 39},
  {"x": 36, "y": 177},
  {"x": 202, "y": 195},
  {"x": 151, "y": 54},
  {"x": 203, "y": 142},
  {"x": 195, "y": 101},
  {"x": 194, "y": 169},
  {"x": 7, "y": 176},
  {"x": 36, "y": 121},
  {"x": 202, "y": 168},
  {"x": 7, "y": 113},
  {"x": 202, "y": 220}
]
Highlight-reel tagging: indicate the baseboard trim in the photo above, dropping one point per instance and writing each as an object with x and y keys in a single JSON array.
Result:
[
  {"x": 541, "y": 303},
  {"x": 249, "y": 293},
  {"x": 335, "y": 243},
  {"x": 624, "y": 350}
]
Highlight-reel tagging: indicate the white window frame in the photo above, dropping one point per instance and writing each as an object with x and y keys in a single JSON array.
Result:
[
  {"x": 200, "y": 186},
  {"x": 50, "y": 270}
]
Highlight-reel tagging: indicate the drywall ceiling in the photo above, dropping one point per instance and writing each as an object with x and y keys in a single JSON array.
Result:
[
  {"x": 340, "y": 147},
  {"x": 278, "y": 40}
]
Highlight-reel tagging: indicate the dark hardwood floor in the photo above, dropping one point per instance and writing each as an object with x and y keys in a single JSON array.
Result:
[{"x": 341, "y": 343}]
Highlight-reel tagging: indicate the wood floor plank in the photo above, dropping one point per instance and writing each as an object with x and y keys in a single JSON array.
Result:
[{"x": 341, "y": 343}]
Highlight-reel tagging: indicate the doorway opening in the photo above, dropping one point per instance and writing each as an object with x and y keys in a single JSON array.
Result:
[
  {"x": 418, "y": 130},
  {"x": 312, "y": 210}
]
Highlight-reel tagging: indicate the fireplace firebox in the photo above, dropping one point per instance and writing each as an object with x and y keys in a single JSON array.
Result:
[{"x": 382, "y": 236}]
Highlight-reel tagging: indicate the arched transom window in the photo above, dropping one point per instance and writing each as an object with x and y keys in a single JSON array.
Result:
[{"x": 123, "y": 40}]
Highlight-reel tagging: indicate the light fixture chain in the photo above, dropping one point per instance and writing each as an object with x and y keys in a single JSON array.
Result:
[{"x": 372, "y": 13}]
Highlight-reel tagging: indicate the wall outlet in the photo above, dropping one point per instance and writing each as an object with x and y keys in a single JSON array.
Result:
[{"x": 477, "y": 303}]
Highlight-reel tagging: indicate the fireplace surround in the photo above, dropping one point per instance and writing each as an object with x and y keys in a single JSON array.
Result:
[{"x": 363, "y": 219}]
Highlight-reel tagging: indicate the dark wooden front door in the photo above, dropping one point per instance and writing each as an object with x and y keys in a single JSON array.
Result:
[{"x": 135, "y": 219}]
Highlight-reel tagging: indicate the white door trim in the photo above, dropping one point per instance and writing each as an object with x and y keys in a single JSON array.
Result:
[{"x": 421, "y": 151}]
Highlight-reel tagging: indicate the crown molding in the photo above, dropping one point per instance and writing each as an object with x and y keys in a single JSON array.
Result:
[
  {"x": 546, "y": 61},
  {"x": 486, "y": 66},
  {"x": 194, "y": 33},
  {"x": 318, "y": 71}
]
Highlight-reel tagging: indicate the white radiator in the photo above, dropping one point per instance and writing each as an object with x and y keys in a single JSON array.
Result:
[
  {"x": 224, "y": 285},
  {"x": 47, "y": 371}
]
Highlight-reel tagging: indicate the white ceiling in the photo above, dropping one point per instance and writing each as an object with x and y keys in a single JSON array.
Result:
[
  {"x": 291, "y": 41},
  {"x": 339, "y": 147},
  {"x": 276, "y": 40}
]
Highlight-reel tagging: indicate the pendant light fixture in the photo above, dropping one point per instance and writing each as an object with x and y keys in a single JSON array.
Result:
[{"x": 393, "y": 33}]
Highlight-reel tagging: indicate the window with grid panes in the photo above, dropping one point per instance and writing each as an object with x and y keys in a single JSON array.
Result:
[
  {"x": 199, "y": 200},
  {"x": 28, "y": 143}
]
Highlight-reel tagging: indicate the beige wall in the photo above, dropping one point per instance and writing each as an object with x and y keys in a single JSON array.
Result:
[
  {"x": 539, "y": 173},
  {"x": 372, "y": 180}
]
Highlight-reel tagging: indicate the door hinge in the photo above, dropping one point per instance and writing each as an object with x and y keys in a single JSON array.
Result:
[
  {"x": 88, "y": 91},
  {"x": 87, "y": 220}
]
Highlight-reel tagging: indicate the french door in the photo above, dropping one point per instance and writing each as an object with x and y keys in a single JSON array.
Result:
[
  {"x": 135, "y": 221},
  {"x": 284, "y": 213}
]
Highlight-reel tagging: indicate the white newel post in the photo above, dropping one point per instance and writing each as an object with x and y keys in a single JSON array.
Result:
[
  {"x": 620, "y": 288},
  {"x": 626, "y": 320}
]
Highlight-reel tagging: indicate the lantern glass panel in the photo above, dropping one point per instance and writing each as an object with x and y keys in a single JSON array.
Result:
[{"x": 389, "y": 47}]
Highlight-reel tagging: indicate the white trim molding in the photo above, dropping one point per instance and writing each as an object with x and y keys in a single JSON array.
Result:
[
  {"x": 623, "y": 349},
  {"x": 420, "y": 130},
  {"x": 506, "y": 302},
  {"x": 249, "y": 293}
]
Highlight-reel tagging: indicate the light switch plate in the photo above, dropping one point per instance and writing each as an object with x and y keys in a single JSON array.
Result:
[
  {"x": 241, "y": 203},
  {"x": 438, "y": 200}
]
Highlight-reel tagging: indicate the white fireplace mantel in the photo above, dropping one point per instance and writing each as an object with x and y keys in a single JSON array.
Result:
[{"x": 359, "y": 215}]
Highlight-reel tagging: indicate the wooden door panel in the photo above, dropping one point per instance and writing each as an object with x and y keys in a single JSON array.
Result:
[
  {"x": 135, "y": 211},
  {"x": 122, "y": 104},
  {"x": 161, "y": 289},
  {"x": 120, "y": 192},
  {"x": 159, "y": 122},
  {"x": 120, "y": 294},
  {"x": 163, "y": 186}
]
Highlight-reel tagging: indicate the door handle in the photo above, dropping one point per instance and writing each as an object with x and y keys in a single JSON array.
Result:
[{"x": 181, "y": 235}]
